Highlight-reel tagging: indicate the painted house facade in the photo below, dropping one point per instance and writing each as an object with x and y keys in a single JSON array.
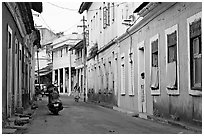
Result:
[
  {"x": 63, "y": 72},
  {"x": 105, "y": 22},
  {"x": 19, "y": 38},
  {"x": 155, "y": 67}
]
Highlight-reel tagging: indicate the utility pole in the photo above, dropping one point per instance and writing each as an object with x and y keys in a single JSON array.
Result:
[
  {"x": 38, "y": 68},
  {"x": 84, "y": 44}
]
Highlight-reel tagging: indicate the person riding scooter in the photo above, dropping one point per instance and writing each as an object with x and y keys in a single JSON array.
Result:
[{"x": 54, "y": 103}]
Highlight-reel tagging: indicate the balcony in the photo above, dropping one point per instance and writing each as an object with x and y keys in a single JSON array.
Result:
[{"x": 78, "y": 61}]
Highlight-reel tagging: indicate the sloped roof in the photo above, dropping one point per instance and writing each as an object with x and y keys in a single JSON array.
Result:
[
  {"x": 25, "y": 11},
  {"x": 71, "y": 39}
]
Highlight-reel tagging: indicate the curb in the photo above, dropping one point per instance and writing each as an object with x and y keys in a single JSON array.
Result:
[
  {"x": 174, "y": 123},
  {"x": 148, "y": 117}
]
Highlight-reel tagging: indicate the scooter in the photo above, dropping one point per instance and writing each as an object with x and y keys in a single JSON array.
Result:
[{"x": 55, "y": 104}]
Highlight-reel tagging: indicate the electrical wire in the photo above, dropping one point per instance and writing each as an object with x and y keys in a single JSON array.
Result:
[
  {"x": 77, "y": 9},
  {"x": 110, "y": 6},
  {"x": 45, "y": 22},
  {"x": 62, "y": 7},
  {"x": 70, "y": 27}
]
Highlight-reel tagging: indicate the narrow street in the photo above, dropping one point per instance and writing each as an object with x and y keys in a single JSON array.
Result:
[{"x": 85, "y": 118}]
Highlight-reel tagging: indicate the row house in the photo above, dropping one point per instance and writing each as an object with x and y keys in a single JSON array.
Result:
[
  {"x": 19, "y": 38},
  {"x": 155, "y": 67},
  {"x": 63, "y": 71}
]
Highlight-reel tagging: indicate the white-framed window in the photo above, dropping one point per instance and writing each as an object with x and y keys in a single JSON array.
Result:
[
  {"x": 110, "y": 75},
  {"x": 113, "y": 11},
  {"x": 154, "y": 65},
  {"x": 194, "y": 37},
  {"x": 106, "y": 14},
  {"x": 131, "y": 74},
  {"x": 9, "y": 37},
  {"x": 16, "y": 45},
  {"x": 172, "y": 60},
  {"x": 122, "y": 80}
]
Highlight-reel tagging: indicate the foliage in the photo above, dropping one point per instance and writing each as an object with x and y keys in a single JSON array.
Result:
[{"x": 93, "y": 51}]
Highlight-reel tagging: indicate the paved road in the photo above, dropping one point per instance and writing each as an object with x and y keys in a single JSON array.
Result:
[{"x": 84, "y": 118}]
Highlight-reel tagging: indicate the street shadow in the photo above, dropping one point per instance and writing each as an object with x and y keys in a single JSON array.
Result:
[{"x": 51, "y": 114}]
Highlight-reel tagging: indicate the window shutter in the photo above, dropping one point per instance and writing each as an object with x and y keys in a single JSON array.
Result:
[{"x": 104, "y": 17}]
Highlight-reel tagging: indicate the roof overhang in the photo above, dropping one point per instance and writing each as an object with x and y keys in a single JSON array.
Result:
[
  {"x": 79, "y": 45},
  {"x": 140, "y": 7},
  {"x": 84, "y": 6}
]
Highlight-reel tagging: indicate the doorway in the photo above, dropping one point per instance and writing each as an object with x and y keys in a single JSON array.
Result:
[{"x": 141, "y": 78}]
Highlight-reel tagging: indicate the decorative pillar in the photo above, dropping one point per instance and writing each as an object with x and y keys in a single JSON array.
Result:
[
  {"x": 70, "y": 73},
  {"x": 53, "y": 76},
  {"x": 63, "y": 80},
  {"x": 79, "y": 80},
  {"x": 58, "y": 82}
]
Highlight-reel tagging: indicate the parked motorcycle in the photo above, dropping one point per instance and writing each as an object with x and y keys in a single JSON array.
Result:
[{"x": 55, "y": 104}]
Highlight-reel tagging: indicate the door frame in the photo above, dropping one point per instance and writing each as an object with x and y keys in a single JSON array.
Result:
[{"x": 141, "y": 59}]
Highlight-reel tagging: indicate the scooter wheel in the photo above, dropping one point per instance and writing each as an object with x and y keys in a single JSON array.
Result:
[{"x": 56, "y": 113}]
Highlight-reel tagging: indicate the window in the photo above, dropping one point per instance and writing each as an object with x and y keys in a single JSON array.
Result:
[
  {"x": 106, "y": 15},
  {"x": 100, "y": 20},
  {"x": 131, "y": 74},
  {"x": 122, "y": 75},
  {"x": 67, "y": 50},
  {"x": 172, "y": 73},
  {"x": 154, "y": 65},
  {"x": 9, "y": 39},
  {"x": 113, "y": 12},
  {"x": 16, "y": 46},
  {"x": 195, "y": 54},
  {"x": 20, "y": 54}
]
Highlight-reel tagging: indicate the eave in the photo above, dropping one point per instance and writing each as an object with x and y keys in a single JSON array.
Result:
[{"x": 84, "y": 6}]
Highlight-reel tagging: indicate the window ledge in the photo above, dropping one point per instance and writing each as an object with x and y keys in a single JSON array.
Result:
[
  {"x": 195, "y": 92},
  {"x": 155, "y": 92},
  {"x": 172, "y": 92},
  {"x": 131, "y": 95}
]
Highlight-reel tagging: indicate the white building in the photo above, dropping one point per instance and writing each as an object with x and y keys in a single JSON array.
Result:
[
  {"x": 106, "y": 21},
  {"x": 63, "y": 62}
]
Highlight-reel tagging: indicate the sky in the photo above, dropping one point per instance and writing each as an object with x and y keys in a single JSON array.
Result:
[{"x": 59, "y": 16}]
